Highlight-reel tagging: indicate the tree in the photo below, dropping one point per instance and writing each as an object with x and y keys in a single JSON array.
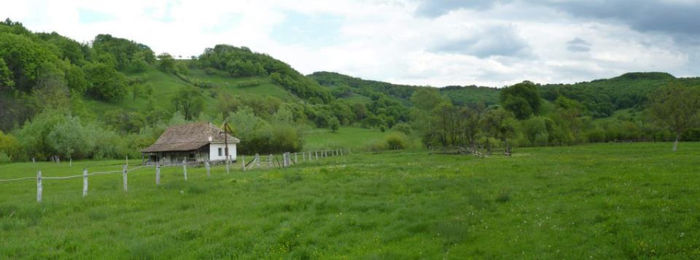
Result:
[
  {"x": 189, "y": 102},
  {"x": 106, "y": 83},
  {"x": 500, "y": 124},
  {"x": 166, "y": 63},
  {"x": 6, "y": 81},
  {"x": 333, "y": 124},
  {"x": 677, "y": 108},
  {"x": 68, "y": 138},
  {"x": 522, "y": 99}
]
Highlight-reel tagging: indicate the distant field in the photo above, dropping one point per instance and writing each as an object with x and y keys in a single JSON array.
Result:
[
  {"x": 599, "y": 201},
  {"x": 354, "y": 138}
]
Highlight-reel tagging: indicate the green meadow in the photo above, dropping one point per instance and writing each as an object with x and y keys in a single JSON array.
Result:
[{"x": 623, "y": 200}]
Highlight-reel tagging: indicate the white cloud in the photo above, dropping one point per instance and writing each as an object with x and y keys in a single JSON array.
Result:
[{"x": 382, "y": 40}]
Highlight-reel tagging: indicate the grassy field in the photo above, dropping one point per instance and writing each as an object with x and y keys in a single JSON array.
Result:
[
  {"x": 354, "y": 138},
  {"x": 602, "y": 201}
]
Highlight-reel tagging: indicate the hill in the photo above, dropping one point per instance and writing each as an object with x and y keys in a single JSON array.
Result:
[{"x": 119, "y": 96}]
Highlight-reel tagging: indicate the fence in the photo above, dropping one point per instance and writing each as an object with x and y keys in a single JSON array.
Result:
[{"x": 287, "y": 160}]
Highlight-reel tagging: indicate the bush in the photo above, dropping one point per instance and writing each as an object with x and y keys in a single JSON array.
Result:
[
  {"x": 4, "y": 158},
  {"x": 403, "y": 128},
  {"x": 396, "y": 141}
]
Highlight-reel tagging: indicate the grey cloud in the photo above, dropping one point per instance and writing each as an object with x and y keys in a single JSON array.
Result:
[
  {"x": 641, "y": 15},
  {"x": 436, "y": 8},
  {"x": 494, "y": 41},
  {"x": 578, "y": 45},
  {"x": 678, "y": 18}
]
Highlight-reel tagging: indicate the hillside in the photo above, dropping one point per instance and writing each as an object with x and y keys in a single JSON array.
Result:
[{"x": 115, "y": 96}]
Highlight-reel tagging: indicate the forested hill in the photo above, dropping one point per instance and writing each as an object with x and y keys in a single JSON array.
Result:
[
  {"x": 115, "y": 96},
  {"x": 601, "y": 97}
]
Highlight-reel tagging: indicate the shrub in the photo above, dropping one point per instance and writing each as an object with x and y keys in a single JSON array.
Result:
[
  {"x": 403, "y": 128},
  {"x": 396, "y": 141},
  {"x": 4, "y": 158}
]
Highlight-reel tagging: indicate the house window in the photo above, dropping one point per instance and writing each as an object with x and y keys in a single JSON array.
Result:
[{"x": 220, "y": 154}]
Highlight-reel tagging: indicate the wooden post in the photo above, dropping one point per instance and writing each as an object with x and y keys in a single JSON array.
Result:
[
  {"x": 206, "y": 165},
  {"x": 303, "y": 156},
  {"x": 124, "y": 177},
  {"x": 257, "y": 160},
  {"x": 316, "y": 153},
  {"x": 33, "y": 160},
  {"x": 295, "y": 158},
  {"x": 157, "y": 174},
  {"x": 184, "y": 168},
  {"x": 243, "y": 162},
  {"x": 227, "y": 164},
  {"x": 85, "y": 182},
  {"x": 269, "y": 160},
  {"x": 38, "y": 186}
]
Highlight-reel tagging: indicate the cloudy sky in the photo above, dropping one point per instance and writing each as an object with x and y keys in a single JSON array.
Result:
[{"x": 420, "y": 42}]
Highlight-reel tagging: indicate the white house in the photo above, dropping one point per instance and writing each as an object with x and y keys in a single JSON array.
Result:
[{"x": 196, "y": 142}]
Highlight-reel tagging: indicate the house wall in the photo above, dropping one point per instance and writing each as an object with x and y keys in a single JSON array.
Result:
[{"x": 214, "y": 152}]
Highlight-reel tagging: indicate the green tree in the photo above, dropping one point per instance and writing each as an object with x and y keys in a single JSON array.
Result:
[
  {"x": 677, "y": 108},
  {"x": 521, "y": 99},
  {"x": 68, "y": 137},
  {"x": 6, "y": 81},
  {"x": 501, "y": 125},
  {"x": 166, "y": 63},
  {"x": 190, "y": 102},
  {"x": 105, "y": 83},
  {"x": 333, "y": 124}
]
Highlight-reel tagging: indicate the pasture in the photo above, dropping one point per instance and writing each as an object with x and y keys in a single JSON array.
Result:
[{"x": 635, "y": 200}]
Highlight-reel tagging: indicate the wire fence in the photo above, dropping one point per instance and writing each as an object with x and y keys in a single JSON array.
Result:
[{"x": 272, "y": 161}]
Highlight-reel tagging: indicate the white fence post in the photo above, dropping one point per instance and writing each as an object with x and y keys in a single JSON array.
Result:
[
  {"x": 184, "y": 168},
  {"x": 85, "y": 182},
  {"x": 243, "y": 162},
  {"x": 269, "y": 160},
  {"x": 38, "y": 186},
  {"x": 227, "y": 164},
  {"x": 295, "y": 158},
  {"x": 257, "y": 160},
  {"x": 124, "y": 177},
  {"x": 206, "y": 165},
  {"x": 316, "y": 154},
  {"x": 157, "y": 174}
]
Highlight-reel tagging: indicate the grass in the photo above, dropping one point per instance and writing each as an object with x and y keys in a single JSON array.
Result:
[
  {"x": 634, "y": 200},
  {"x": 354, "y": 138}
]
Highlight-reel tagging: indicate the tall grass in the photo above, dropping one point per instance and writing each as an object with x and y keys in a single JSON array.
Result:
[{"x": 600, "y": 201}]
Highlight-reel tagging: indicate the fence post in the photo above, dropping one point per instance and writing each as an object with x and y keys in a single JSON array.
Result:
[
  {"x": 124, "y": 177},
  {"x": 316, "y": 153},
  {"x": 257, "y": 160},
  {"x": 243, "y": 162},
  {"x": 85, "y": 182},
  {"x": 206, "y": 165},
  {"x": 157, "y": 174},
  {"x": 295, "y": 158},
  {"x": 38, "y": 186},
  {"x": 184, "y": 168},
  {"x": 269, "y": 160},
  {"x": 227, "y": 164}
]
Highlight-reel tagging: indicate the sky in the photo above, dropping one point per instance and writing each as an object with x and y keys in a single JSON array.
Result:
[{"x": 418, "y": 42}]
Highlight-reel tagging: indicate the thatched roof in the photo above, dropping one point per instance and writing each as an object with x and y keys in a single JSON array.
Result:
[{"x": 189, "y": 137}]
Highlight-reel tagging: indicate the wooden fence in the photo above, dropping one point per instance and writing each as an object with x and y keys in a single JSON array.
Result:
[{"x": 283, "y": 160}]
